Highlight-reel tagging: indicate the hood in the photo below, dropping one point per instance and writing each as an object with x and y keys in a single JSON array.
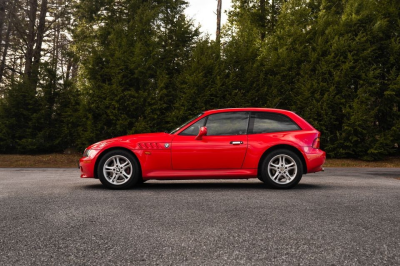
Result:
[{"x": 130, "y": 141}]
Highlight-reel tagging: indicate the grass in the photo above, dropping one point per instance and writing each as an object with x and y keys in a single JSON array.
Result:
[
  {"x": 56, "y": 160},
  {"x": 389, "y": 162}
]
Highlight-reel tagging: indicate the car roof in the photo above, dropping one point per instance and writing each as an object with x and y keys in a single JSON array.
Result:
[
  {"x": 248, "y": 109},
  {"x": 299, "y": 120}
]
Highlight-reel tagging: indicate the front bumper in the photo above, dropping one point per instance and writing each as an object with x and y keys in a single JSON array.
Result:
[{"x": 87, "y": 165}]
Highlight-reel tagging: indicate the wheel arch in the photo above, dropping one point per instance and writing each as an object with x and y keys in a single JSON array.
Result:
[
  {"x": 104, "y": 152},
  {"x": 286, "y": 147}
]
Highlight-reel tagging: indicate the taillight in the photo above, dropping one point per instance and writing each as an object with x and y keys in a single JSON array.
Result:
[{"x": 316, "y": 143}]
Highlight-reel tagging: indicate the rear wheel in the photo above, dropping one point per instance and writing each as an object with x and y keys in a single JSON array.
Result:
[
  {"x": 118, "y": 169},
  {"x": 281, "y": 169}
]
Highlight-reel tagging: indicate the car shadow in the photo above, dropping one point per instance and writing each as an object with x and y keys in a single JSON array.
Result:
[{"x": 204, "y": 186}]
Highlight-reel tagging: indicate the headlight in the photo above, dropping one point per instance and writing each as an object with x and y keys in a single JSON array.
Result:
[{"x": 86, "y": 153}]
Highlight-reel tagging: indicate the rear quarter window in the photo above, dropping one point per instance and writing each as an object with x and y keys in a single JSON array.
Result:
[{"x": 265, "y": 122}]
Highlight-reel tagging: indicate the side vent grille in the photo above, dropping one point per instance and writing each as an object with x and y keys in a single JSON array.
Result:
[{"x": 149, "y": 146}]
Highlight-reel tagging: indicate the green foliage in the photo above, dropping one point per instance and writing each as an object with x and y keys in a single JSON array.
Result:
[
  {"x": 336, "y": 65},
  {"x": 133, "y": 66},
  {"x": 39, "y": 121},
  {"x": 144, "y": 68}
]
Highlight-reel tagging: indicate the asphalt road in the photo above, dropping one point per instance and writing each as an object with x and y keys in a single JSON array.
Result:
[{"x": 343, "y": 216}]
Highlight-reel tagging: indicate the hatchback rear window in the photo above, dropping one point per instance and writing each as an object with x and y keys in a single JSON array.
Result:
[{"x": 264, "y": 122}]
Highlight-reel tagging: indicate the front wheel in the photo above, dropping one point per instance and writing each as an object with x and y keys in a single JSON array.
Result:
[
  {"x": 118, "y": 169},
  {"x": 281, "y": 169}
]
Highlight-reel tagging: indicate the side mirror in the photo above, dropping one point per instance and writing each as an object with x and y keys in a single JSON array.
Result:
[{"x": 202, "y": 132}]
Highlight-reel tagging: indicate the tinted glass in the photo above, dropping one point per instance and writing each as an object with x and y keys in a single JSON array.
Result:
[
  {"x": 193, "y": 130},
  {"x": 232, "y": 123},
  {"x": 187, "y": 122},
  {"x": 271, "y": 122}
]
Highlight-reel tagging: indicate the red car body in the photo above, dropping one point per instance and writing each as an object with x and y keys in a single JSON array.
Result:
[{"x": 175, "y": 156}]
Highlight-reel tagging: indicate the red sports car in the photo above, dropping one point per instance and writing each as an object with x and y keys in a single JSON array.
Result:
[{"x": 276, "y": 146}]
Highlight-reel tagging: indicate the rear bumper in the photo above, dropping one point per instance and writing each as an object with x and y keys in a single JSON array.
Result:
[{"x": 315, "y": 158}]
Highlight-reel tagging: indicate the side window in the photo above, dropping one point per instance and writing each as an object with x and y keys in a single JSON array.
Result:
[
  {"x": 231, "y": 123},
  {"x": 193, "y": 130},
  {"x": 264, "y": 122}
]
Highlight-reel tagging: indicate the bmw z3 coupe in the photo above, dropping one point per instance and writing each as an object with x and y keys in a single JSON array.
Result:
[{"x": 276, "y": 146}]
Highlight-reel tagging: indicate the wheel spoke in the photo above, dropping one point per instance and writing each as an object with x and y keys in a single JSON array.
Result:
[
  {"x": 276, "y": 175},
  {"x": 275, "y": 168},
  {"x": 125, "y": 176},
  {"x": 124, "y": 172},
  {"x": 289, "y": 165},
  {"x": 125, "y": 167},
  {"x": 274, "y": 165},
  {"x": 287, "y": 176}
]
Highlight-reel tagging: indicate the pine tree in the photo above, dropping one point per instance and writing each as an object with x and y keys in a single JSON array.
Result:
[{"x": 137, "y": 51}]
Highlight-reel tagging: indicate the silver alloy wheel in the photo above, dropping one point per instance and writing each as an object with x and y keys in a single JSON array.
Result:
[
  {"x": 117, "y": 170},
  {"x": 282, "y": 169}
]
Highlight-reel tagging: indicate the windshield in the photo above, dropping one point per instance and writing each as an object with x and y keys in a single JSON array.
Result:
[{"x": 187, "y": 122}]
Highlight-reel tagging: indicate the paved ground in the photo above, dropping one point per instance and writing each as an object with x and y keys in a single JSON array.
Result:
[{"x": 339, "y": 217}]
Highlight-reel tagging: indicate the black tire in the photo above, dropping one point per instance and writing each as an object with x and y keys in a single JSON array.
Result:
[
  {"x": 141, "y": 182},
  {"x": 284, "y": 177},
  {"x": 122, "y": 181}
]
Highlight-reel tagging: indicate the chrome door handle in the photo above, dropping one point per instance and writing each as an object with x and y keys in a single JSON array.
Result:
[{"x": 236, "y": 142}]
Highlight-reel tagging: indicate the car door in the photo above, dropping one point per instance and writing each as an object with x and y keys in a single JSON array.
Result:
[{"x": 224, "y": 146}]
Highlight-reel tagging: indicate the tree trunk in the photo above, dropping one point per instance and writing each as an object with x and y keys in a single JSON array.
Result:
[
  {"x": 68, "y": 73},
  {"x": 273, "y": 18},
  {"x": 74, "y": 72},
  {"x": 263, "y": 17},
  {"x": 38, "y": 45},
  {"x": 33, "y": 4},
  {"x": 2, "y": 18},
  {"x": 6, "y": 44},
  {"x": 4, "y": 57},
  {"x": 56, "y": 51},
  {"x": 56, "y": 46},
  {"x": 218, "y": 33}
]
